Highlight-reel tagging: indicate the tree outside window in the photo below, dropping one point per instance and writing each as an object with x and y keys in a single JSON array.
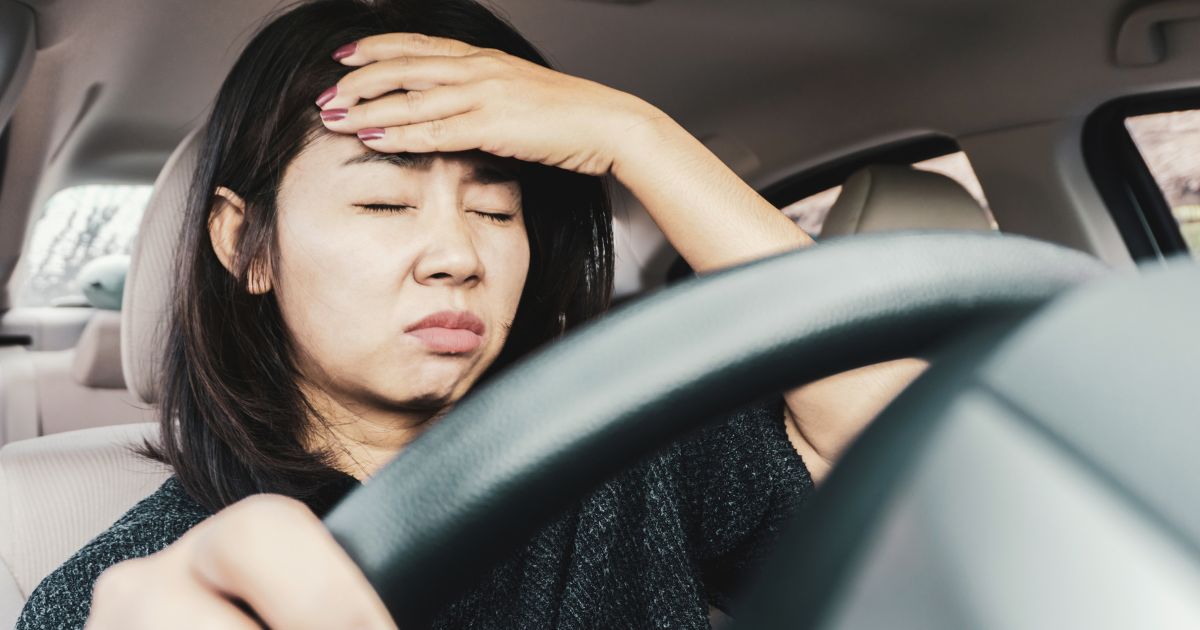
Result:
[{"x": 78, "y": 225}]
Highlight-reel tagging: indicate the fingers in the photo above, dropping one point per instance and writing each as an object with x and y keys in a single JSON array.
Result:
[
  {"x": 456, "y": 133},
  {"x": 267, "y": 551},
  {"x": 408, "y": 108},
  {"x": 403, "y": 73},
  {"x": 446, "y": 83},
  {"x": 274, "y": 554},
  {"x": 391, "y": 45},
  {"x": 141, "y": 594}
]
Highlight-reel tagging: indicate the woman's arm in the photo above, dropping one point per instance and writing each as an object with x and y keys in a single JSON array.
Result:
[
  {"x": 711, "y": 217},
  {"x": 715, "y": 220},
  {"x": 265, "y": 561},
  {"x": 826, "y": 415},
  {"x": 458, "y": 97}
]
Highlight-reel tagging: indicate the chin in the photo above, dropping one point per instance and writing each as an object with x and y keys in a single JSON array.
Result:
[
  {"x": 429, "y": 398},
  {"x": 425, "y": 386}
]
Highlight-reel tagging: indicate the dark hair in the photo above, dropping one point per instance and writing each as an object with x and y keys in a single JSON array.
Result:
[{"x": 232, "y": 413}]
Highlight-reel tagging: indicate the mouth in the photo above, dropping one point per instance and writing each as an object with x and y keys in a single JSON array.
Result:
[{"x": 451, "y": 332}]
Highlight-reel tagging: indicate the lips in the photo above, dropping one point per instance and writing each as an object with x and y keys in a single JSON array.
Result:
[{"x": 449, "y": 331}]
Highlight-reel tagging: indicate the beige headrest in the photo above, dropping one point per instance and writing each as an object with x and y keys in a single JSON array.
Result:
[
  {"x": 884, "y": 197},
  {"x": 148, "y": 287},
  {"x": 98, "y": 353}
]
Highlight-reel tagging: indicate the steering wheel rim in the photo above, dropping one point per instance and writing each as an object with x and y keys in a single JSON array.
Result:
[
  {"x": 458, "y": 500},
  {"x": 1036, "y": 470}
]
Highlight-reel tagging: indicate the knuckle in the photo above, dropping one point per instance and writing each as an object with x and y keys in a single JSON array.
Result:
[
  {"x": 414, "y": 99},
  {"x": 267, "y": 505},
  {"x": 258, "y": 524},
  {"x": 388, "y": 71},
  {"x": 259, "y": 516},
  {"x": 487, "y": 61},
  {"x": 422, "y": 39},
  {"x": 494, "y": 87},
  {"x": 363, "y": 110},
  {"x": 437, "y": 130},
  {"x": 122, "y": 581}
]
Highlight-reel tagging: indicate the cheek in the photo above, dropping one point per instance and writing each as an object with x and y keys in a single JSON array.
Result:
[
  {"x": 336, "y": 285},
  {"x": 508, "y": 267}
]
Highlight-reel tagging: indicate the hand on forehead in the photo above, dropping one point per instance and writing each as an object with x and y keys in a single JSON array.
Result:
[{"x": 421, "y": 94}]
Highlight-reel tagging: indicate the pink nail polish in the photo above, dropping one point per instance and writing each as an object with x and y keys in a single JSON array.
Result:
[
  {"x": 371, "y": 133},
  {"x": 345, "y": 51},
  {"x": 326, "y": 96},
  {"x": 331, "y": 115}
]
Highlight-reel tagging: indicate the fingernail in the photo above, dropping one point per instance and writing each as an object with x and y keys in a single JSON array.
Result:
[
  {"x": 326, "y": 96},
  {"x": 372, "y": 133},
  {"x": 345, "y": 51},
  {"x": 331, "y": 115}
]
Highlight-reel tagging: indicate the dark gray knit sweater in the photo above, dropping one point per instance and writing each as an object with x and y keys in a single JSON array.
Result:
[{"x": 651, "y": 548}]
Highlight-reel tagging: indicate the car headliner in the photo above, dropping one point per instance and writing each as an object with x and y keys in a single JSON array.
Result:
[{"x": 774, "y": 86}]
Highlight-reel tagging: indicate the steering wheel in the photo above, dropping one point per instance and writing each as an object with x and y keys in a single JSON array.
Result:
[{"x": 481, "y": 481}]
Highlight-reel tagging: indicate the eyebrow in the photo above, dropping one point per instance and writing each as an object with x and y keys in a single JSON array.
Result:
[{"x": 485, "y": 173}]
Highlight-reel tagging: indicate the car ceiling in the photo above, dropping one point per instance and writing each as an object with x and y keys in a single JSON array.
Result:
[{"x": 774, "y": 86}]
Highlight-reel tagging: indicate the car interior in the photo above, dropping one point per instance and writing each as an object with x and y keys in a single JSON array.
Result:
[{"x": 910, "y": 137}]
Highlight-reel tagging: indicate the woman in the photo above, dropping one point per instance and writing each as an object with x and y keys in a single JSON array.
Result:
[{"x": 395, "y": 200}]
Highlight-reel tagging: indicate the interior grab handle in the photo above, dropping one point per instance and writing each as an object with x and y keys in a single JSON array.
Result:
[{"x": 1142, "y": 40}]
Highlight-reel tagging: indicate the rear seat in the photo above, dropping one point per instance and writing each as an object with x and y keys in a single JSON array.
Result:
[
  {"x": 43, "y": 392},
  {"x": 60, "y": 491},
  {"x": 83, "y": 387}
]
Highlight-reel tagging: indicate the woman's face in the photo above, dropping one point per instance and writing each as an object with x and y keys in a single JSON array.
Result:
[{"x": 372, "y": 243}]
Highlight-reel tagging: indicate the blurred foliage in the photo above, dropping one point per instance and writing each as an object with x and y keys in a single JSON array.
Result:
[{"x": 77, "y": 226}]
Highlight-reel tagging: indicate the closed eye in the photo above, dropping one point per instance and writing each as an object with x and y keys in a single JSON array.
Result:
[
  {"x": 384, "y": 207},
  {"x": 495, "y": 216},
  {"x": 388, "y": 208}
]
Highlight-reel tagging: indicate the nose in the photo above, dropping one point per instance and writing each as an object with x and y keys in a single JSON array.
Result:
[{"x": 450, "y": 255}]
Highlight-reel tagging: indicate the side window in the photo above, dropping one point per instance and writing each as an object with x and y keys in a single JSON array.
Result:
[
  {"x": 810, "y": 212},
  {"x": 78, "y": 225},
  {"x": 1169, "y": 143}
]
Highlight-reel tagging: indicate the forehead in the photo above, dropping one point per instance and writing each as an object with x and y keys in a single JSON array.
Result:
[{"x": 347, "y": 152}]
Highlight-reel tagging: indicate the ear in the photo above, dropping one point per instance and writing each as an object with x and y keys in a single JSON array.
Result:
[{"x": 225, "y": 220}]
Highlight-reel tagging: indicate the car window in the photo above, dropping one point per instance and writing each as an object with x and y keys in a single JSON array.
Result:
[
  {"x": 1170, "y": 145},
  {"x": 79, "y": 224},
  {"x": 810, "y": 212}
]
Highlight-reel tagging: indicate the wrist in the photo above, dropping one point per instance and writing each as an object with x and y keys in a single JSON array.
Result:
[{"x": 640, "y": 133}]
